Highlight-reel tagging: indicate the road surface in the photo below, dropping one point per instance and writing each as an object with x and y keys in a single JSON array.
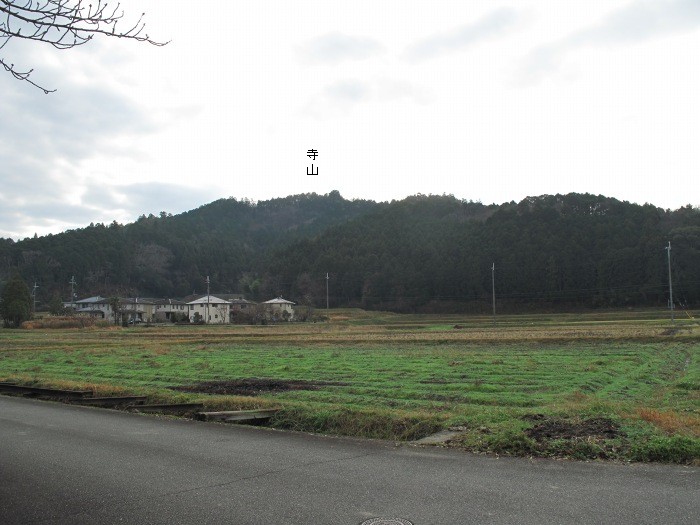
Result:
[{"x": 64, "y": 464}]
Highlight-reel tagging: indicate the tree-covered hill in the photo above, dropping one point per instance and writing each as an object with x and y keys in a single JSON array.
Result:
[
  {"x": 419, "y": 253},
  {"x": 171, "y": 255},
  {"x": 436, "y": 253}
]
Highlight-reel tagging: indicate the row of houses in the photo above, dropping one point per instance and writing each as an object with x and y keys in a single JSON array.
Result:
[{"x": 209, "y": 309}]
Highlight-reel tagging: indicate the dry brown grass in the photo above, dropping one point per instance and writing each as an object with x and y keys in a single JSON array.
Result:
[
  {"x": 161, "y": 350},
  {"x": 64, "y": 322},
  {"x": 671, "y": 421}
]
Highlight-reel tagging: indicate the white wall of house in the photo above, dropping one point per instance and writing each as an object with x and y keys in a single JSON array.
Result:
[
  {"x": 166, "y": 311},
  {"x": 141, "y": 310},
  {"x": 280, "y": 308},
  {"x": 212, "y": 310},
  {"x": 93, "y": 306}
]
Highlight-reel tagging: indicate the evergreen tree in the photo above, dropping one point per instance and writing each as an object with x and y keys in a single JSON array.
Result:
[
  {"x": 115, "y": 305},
  {"x": 15, "y": 302},
  {"x": 56, "y": 305}
]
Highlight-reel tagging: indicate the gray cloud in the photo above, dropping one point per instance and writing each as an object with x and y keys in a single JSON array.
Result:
[
  {"x": 334, "y": 48},
  {"x": 35, "y": 213},
  {"x": 347, "y": 91},
  {"x": 44, "y": 139},
  {"x": 68, "y": 123},
  {"x": 637, "y": 22},
  {"x": 642, "y": 20},
  {"x": 464, "y": 36},
  {"x": 346, "y": 94},
  {"x": 154, "y": 197},
  {"x": 100, "y": 202},
  {"x": 40, "y": 210},
  {"x": 391, "y": 89}
]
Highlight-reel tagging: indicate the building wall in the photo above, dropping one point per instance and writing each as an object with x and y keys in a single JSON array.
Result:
[
  {"x": 95, "y": 310},
  {"x": 217, "y": 314},
  {"x": 277, "y": 310},
  {"x": 141, "y": 311},
  {"x": 165, "y": 312}
]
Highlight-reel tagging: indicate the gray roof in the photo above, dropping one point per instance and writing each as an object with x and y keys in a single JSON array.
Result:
[
  {"x": 278, "y": 300},
  {"x": 168, "y": 301},
  {"x": 231, "y": 296},
  {"x": 137, "y": 300},
  {"x": 241, "y": 301},
  {"x": 95, "y": 299},
  {"x": 211, "y": 299}
]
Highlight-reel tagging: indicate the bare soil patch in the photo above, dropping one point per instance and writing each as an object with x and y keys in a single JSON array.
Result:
[
  {"x": 254, "y": 386},
  {"x": 548, "y": 429}
]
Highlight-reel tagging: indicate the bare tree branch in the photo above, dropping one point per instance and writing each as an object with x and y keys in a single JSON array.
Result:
[
  {"x": 23, "y": 76},
  {"x": 64, "y": 24}
]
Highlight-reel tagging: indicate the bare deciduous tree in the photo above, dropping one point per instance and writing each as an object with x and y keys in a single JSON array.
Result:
[{"x": 64, "y": 24}]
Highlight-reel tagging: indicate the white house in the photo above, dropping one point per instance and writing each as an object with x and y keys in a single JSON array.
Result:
[
  {"x": 170, "y": 309},
  {"x": 280, "y": 309},
  {"x": 93, "y": 306},
  {"x": 138, "y": 309},
  {"x": 129, "y": 308},
  {"x": 207, "y": 308},
  {"x": 210, "y": 309}
]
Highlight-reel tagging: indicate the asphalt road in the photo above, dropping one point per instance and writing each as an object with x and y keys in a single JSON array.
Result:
[{"x": 75, "y": 465}]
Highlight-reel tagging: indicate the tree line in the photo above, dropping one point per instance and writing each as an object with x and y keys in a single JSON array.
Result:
[{"x": 422, "y": 253}]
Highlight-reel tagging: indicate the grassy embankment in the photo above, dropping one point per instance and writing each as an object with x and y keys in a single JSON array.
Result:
[{"x": 614, "y": 385}]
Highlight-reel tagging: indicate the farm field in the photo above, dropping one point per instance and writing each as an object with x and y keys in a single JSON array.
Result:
[{"x": 618, "y": 385}]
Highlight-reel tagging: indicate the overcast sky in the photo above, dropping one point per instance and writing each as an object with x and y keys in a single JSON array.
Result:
[{"x": 487, "y": 101}]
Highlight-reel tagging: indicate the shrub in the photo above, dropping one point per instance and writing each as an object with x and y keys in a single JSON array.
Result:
[
  {"x": 512, "y": 442},
  {"x": 670, "y": 449},
  {"x": 580, "y": 449}
]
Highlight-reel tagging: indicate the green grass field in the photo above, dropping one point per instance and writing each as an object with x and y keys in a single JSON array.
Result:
[{"x": 610, "y": 385}]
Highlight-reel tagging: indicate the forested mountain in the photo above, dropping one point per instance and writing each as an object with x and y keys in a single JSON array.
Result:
[
  {"x": 436, "y": 253},
  {"x": 422, "y": 253},
  {"x": 170, "y": 256}
]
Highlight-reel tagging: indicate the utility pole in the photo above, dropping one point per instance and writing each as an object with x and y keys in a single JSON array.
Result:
[
  {"x": 207, "y": 281},
  {"x": 670, "y": 283},
  {"x": 493, "y": 290},
  {"x": 34, "y": 295},
  {"x": 72, "y": 291},
  {"x": 326, "y": 290}
]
